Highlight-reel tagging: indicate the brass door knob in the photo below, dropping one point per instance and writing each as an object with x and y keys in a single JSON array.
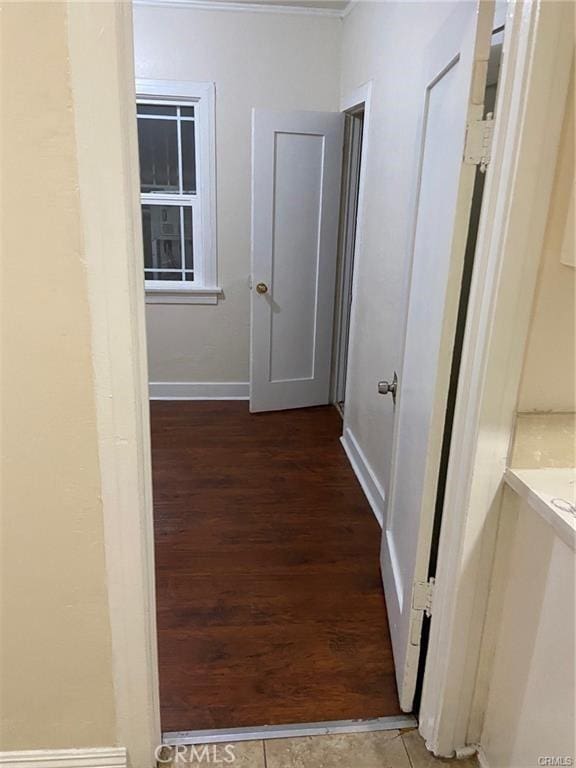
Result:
[{"x": 262, "y": 288}]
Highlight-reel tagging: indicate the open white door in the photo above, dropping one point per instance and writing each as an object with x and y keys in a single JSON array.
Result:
[
  {"x": 452, "y": 99},
  {"x": 296, "y": 170}
]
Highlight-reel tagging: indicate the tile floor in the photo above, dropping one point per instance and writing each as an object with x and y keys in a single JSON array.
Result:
[{"x": 382, "y": 749}]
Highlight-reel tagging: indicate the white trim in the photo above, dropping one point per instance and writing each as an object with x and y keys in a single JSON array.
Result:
[
  {"x": 536, "y": 62},
  {"x": 362, "y": 94},
  {"x": 180, "y": 294},
  {"x": 357, "y": 97},
  {"x": 100, "y": 41},
  {"x": 203, "y": 94},
  {"x": 350, "y": 188},
  {"x": 99, "y": 757},
  {"x": 366, "y": 476},
  {"x": 349, "y": 8},
  {"x": 199, "y": 390},
  {"x": 266, "y": 732},
  {"x": 150, "y": 89},
  {"x": 218, "y": 5}
]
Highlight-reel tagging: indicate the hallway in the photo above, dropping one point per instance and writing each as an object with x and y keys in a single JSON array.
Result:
[{"x": 269, "y": 599}]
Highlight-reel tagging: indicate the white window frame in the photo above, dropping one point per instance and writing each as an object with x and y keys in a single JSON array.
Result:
[{"x": 204, "y": 288}]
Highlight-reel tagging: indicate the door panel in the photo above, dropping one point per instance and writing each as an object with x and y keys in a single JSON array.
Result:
[
  {"x": 298, "y": 161},
  {"x": 453, "y": 94},
  {"x": 295, "y": 202}
]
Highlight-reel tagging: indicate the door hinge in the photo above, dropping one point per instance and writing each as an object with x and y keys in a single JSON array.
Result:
[
  {"x": 478, "y": 147},
  {"x": 422, "y": 596}
]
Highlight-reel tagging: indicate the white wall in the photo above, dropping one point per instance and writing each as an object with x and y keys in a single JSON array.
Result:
[
  {"x": 278, "y": 61},
  {"x": 379, "y": 44},
  {"x": 56, "y": 660},
  {"x": 545, "y": 432},
  {"x": 531, "y": 707},
  {"x": 548, "y": 380},
  {"x": 531, "y": 631}
]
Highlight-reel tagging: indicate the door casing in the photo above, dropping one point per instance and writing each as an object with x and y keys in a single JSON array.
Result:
[
  {"x": 538, "y": 45},
  {"x": 351, "y": 178}
]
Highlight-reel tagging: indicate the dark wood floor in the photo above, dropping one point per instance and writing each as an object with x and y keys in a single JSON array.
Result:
[{"x": 270, "y": 605}]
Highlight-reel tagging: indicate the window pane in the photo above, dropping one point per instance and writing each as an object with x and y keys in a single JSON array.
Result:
[
  {"x": 188, "y": 243},
  {"x": 151, "y": 274},
  {"x": 188, "y": 156},
  {"x": 187, "y": 111},
  {"x": 156, "y": 109},
  {"x": 147, "y": 236},
  {"x": 189, "y": 276},
  {"x": 162, "y": 240},
  {"x": 158, "y": 149}
]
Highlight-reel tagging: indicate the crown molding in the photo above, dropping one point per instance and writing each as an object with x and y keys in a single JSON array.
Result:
[
  {"x": 222, "y": 5},
  {"x": 348, "y": 8}
]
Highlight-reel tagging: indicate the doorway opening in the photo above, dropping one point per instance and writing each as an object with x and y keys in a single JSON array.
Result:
[
  {"x": 351, "y": 166},
  {"x": 271, "y": 612},
  {"x": 269, "y": 553}
]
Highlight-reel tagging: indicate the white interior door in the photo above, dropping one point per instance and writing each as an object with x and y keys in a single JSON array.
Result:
[
  {"x": 296, "y": 170},
  {"x": 452, "y": 96}
]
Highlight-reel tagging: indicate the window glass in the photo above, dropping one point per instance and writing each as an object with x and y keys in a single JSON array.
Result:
[
  {"x": 162, "y": 238},
  {"x": 156, "y": 109},
  {"x": 158, "y": 150},
  {"x": 188, "y": 156},
  {"x": 155, "y": 274},
  {"x": 188, "y": 243}
]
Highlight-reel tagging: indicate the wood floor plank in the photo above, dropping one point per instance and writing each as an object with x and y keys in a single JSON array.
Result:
[{"x": 269, "y": 598}]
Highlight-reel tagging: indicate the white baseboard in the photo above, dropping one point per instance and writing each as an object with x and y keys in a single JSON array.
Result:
[
  {"x": 365, "y": 474},
  {"x": 199, "y": 390},
  {"x": 97, "y": 757}
]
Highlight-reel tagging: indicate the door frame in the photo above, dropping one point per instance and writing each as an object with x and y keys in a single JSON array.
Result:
[
  {"x": 359, "y": 98},
  {"x": 100, "y": 39},
  {"x": 539, "y": 47}
]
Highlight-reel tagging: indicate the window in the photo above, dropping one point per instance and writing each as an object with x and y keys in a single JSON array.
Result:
[{"x": 177, "y": 190}]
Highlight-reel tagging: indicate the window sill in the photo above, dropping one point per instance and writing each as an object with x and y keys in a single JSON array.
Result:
[{"x": 183, "y": 295}]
